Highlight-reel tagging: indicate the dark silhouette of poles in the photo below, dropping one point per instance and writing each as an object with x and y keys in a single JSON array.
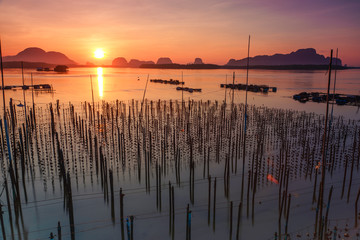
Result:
[
  {"x": 2, "y": 82},
  {"x": 70, "y": 207},
  {"x": 321, "y": 195},
  {"x": 344, "y": 179},
  {"x": 328, "y": 208},
  {"x": 352, "y": 166},
  {"x": 245, "y": 119},
  {"x": 280, "y": 214},
  {"x": 33, "y": 101}
]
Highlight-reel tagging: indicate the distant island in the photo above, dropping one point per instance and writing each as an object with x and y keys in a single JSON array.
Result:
[
  {"x": 133, "y": 63},
  {"x": 302, "y": 59},
  {"x": 214, "y": 66},
  {"x": 38, "y": 55},
  {"x": 307, "y": 56}
]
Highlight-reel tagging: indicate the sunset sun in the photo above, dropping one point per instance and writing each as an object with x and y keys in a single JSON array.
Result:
[{"x": 99, "y": 53}]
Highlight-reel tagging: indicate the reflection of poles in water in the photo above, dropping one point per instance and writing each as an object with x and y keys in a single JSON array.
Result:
[{"x": 245, "y": 118}]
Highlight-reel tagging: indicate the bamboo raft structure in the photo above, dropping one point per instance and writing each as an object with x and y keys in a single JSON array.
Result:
[
  {"x": 45, "y": 87},
  {"x": 250, "y": 87},
  {"x": 171, "y": 81},
  {"x": 339, "y": 99}
]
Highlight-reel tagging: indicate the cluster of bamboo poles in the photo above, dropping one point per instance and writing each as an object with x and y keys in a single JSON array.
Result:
[{"x": 97, "y": 141}]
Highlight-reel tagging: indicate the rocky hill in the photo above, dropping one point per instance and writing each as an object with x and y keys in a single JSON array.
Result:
[
  {"x": 164, "y": 60},
  {"x": 34, "y": 54},
  {"x": 198, "y": 61},
  {"x": 307, "y": 56},
  {"x": 133, "y": 63}
]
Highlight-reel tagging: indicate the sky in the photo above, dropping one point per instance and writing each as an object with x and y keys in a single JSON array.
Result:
[{"x": 214, "y": 30}]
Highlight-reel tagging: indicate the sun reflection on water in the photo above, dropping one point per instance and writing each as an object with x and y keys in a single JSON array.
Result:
[{"x": 100, "y": 81}]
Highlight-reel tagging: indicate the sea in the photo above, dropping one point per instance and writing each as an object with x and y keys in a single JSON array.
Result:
[
  {"x": 234, "y": 190},
  {"x": 125, "y": 84}
]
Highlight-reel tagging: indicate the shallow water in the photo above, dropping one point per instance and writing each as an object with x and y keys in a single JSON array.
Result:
[
  {"x": 266, "y": 127},
  {"x": 128, "y": 83}
]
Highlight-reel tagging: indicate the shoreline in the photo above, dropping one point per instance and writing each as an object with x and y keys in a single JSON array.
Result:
[{"x": 35, "y": 65}]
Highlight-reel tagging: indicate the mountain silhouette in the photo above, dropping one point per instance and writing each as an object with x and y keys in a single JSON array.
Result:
[
  {"x": 35, "y": 54},
  {"x": 137, "y": 63},
  {"x": 133, "y": 63},
  {"x": 300, "y": 57},
  {"x": 164, "y": 60},
  {"x": 120, "y": 62},
  {"x": 198, "y": 61}
]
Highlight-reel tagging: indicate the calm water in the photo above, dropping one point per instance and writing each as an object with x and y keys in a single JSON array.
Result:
[
  {"x": 44, "y": 187},
  {"x": 126, "y": 83}
]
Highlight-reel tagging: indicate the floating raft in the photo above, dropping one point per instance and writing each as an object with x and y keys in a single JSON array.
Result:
[
  {"x": 340, "y": 99},
  {"x": 26, "y": 87},
  {"x": 190, "y": 90},
  {"x": 251, "y": 88},
  {"x": 171, "y": 81}
]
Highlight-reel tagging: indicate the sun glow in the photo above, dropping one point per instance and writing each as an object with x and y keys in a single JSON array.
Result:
[{"x": 99, "y": 53}]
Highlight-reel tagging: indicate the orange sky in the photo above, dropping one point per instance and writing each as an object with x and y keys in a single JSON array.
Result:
[{"x": 214, "y": 30}]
